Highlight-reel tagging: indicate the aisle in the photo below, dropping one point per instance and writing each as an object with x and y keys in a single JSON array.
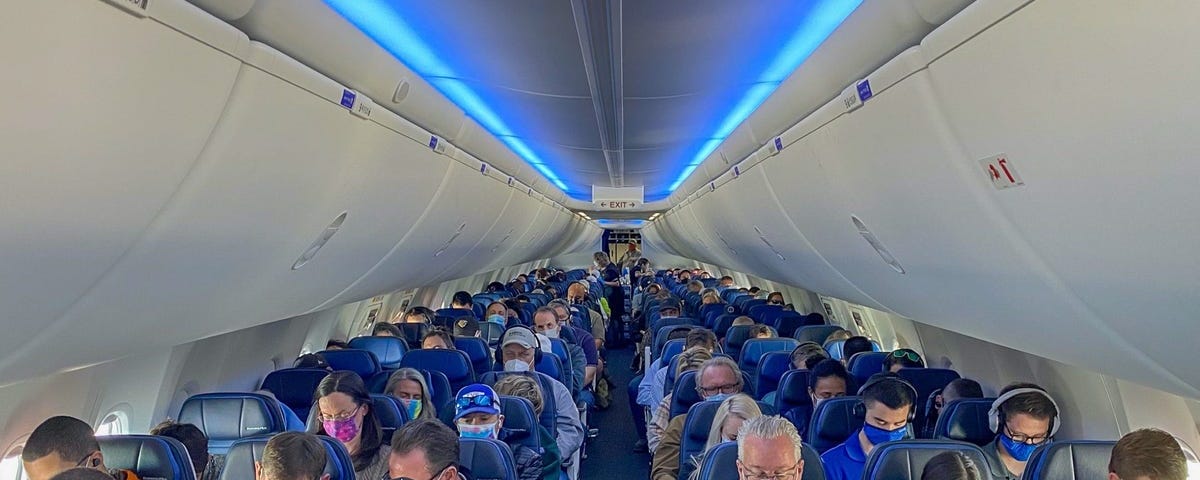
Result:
[{"x": 610, "y": 456}]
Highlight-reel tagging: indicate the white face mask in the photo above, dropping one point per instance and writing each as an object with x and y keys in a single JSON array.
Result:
[
  {"x": 551, "y": 333},
  {"x": 516, "y": 365}
]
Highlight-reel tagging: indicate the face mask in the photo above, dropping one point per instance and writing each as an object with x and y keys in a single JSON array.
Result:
[
  {"x": 487, "y": 430},
  {"x": 516, "y": 365},
  {"x": 720, "y": 397},
  {"x": 496, "y": 318},
  {"x": 551, "y": 333},
  {"x": 1019, "y": 451},
  {"x": 414, "y": 408},
  {"x": 877, "y": 435},
  {"x": 343, "y": 430}
]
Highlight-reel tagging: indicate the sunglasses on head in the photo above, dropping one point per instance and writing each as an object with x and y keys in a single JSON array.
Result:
[
  {"x": 476, "y": 401},
  {"x": 909, "y": 354}
]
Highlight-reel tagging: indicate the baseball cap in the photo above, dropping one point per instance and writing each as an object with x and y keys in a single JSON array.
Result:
[
  {"x": 476, "y": 398},
  {"x": 520, "y": 336},
  {"x": 669, "y": 303},
  {"x": 466, "y": 327}
]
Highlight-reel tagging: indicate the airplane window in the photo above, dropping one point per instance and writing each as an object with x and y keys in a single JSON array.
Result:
[
  {"x": 1192, "y": 460},
  {"x": 10, "y": 466},
  {"x": 115, "y": 423}
]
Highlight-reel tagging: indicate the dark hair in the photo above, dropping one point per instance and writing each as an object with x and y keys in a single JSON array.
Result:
[
  {"x": 504, "y": 304},
  {"x": 772, "y": 294},
  {"x": 440, "y": 333},
  {"x": 679, "y": 332},
  {"x": 826, "y": 368},
  {"x": 384, "y": 327},
  {"x": 700, "y": 337},
  {"x": 69, "y": 437},
  {"x": 760, "y": 330},
  {"x": 434, "y": 438},
  {"x": 1149, "y": 453},
  {"x": 461, "y": 298},
  {"x": 422, "y": 311},
  {"x": 950, "y": 466},
  {"x": 82, "y": 473},
  {"x": 349, "y": 383},
  {"x": 902, "y": 356},
  {"x": 495, "y": 287},
  {"x": 891, "y": 393},
  {"x": 311, "y": 360},
  {"x": 295, "y": 456},
  {"x": 335, "y": 343},
  {"x": 753, "y": 289},
  {"x": 191, "y": 437},
  {"x": 964, "y": 388},
  {"x": 726, "y": 277},
  {"x": 1032, "y": 404},
  {"x": 855, "y": 345}
]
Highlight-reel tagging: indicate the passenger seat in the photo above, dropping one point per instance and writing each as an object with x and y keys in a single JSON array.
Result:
[
  {"x": 226, "y": 418},
  {"x": 239, "y": 463},
  {"x": 721, "y": 463},
  {"x": 965, "y": 420},
  {"x": 906, "y": 459},
  {"x": 151, "y": 457},
  {"x": 487, "y": 459},
  {"x": 1078, "y": 460}
]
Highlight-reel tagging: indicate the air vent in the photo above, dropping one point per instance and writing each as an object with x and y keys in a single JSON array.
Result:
[
  {"x": 321, "y": 240},
  {"x": 401, "y": 91},
  {"x": 445, "y": 246},
  {"x": 877, "y": 245}
]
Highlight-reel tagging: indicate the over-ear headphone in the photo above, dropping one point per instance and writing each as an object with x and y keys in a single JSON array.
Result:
[
  {"x": 537, "y": 346},
  {"x": 994, "y": 413},
  {"x": 860, "y": 408}
]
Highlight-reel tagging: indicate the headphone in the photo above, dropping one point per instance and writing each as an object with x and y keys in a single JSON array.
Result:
[
  {"x": 994, "y": 413},
  {"x": 860, "y": 408},
  {"x": 537, "y": 347}
]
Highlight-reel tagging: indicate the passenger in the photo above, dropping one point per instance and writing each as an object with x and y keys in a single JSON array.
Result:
[
  {"x": 425, "y": 449},
  {"x": 695, "y": 286},
  {"x": 293, "y": 456},
  {"x": 691, "y": 359},
  {"x": 208, "y": 467},
  {"x": 710, "y": 298},
  {"x": 806, "y": 355},
  {"x": 730, "y": 416},
  {"x": 1149, "y": 454},
  {"x": 384, "y": 329},
  {"x": 827, "y": 379},
  {"x": 610, "y": 276},
  {"x": 513, "y": 314},
  {"x": 775, "y": 298},
  {"x": 902, "y": 358},
  {"x": 345, "y": 413},
  {"x": 62, "y": 443},
  {"x": 577, "y": 298},
  {"x": 652, "y": 387},
  {"x": 717, "y": 380},
  {"x": 335, "y": 344},
  {"x": 726, "y": 281},
  {"x": 546, "y": 322},
  {"x": 669, "y": 308},
  {"x": 477, "y": 414},
  {"x": 408, "y": 385},
  {"x": 495, "y": 287},
  {"x": 82, "y": 473},
  {"x": 855, "y": 345},
  {"x": 762, "y": 331},
  {"x": 437, "y": 338},
  {"x": 888, "y": 403},
  {"x": 644, "y": 396},
  {"x": 558, "y": 325},
  {"x": 418, "y": 315},
  {"x": 742, "y": 320},
  {"x": 950, "y": 466},
  {"x": 517, "y": 352},
  {"x": 754, "y": 292},
  {"x": 958, "y": 388},
  {"x": 461, "y": 300},
  {"x": 769, "y": 447},
  {"x": 497, "y": 313},
  {"x": 1024, "y": 417},
  {"x": 527, "y": 388},
  {"x": 312, "y": 360}
]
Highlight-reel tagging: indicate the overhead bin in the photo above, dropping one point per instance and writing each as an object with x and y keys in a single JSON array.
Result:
[{"x": 105, "y": 112}]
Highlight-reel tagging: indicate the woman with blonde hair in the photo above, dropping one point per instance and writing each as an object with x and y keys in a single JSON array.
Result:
[{"x": 733, "y": 412}]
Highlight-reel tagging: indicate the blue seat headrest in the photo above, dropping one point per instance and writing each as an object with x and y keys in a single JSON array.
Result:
[
  {"x": 864, "y": 364},
  {"x": 391, "y": 413},
  {"x": 926, "y": 381},
  {"x": 672, "y": 348},
  {"x": 151, "y": 457},
  {"x": 477, "y": 351},
  {"x": 228, "y": 417},
  {"x": 552, "y": 366},
  {"x": 295, "y": 387},
  {"x": 721, "y": 463},
  {"x": 548, "y": 418},
  {"x": 455, "y": 313},
  {"x": 684, "y": 395},
  {"x": 388, "y": 350},
  {"x": 487, "y": 459},
  {"x": 362, "y": 362},
  {"x": 905, "y": 460},
  {"x": 414, "y": 333},
  {"x": 521, "y": 422},
  {"x": 695, "y": 435},
  {"x": 833, "y": 421},
  {"x": 455, "y": 364},
  {"x": 239, "y": 463},
  {"x": 786, "y": 322},
  {"x": 770, "y": 369},
  {"x": 753, "y": 350},
  {"x": 816, "y": 333},
  {"x": 1069, "y": 460},
  {"x": 793, "y": 391},
  {"x": 966, "y": 420}
]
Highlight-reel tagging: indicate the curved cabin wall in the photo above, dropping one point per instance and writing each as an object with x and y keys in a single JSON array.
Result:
[{"x": 1089, "y": 262}]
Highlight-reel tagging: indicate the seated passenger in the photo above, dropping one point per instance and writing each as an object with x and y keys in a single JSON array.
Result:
[
  {"x": 691, "y": 359},
  {"x": 312, "y": 360},
  {"x": 695, "y": 286},
  {"x": 950, "y": 466},
  {"x": 651, "y": 390},
  {"x": 497, "y": 313},
  {"x": 855, "y": 345},
  {"x": 753, "y": 291},
  {"x": 527, "y": 388},
  {"x": 710, "y": 298},
  {"x": 292, "y": 456},
  {"x": 425, "y": 449},
  {"x": 555, "y": 322},
  {"x": 775, "y": 298},
  {"x": 643, "y": 394},
  {"x": 208, "y": 467},
  {"x": 1147, "y": 454},
  {"x": 478, "y": 415},
  {"x": 495, "y": 287},
  {"x": 761, "y": 331},
  {"x": 769, "y": 447},
  {"x": 62, "y": 443},
  {"x": 726, "y": 281},
  {"x": 335, "y": 344},
  {"x": 717, "y": 380},
  {"x": 1026, "y": 417},
  {"x": 517, "y": 350},
  {"x": 437, "y": 339},
  {"x": 466, "y": 327},
  {"x": 806, "y": 355},
  {"x": 902, "y": 358},
  {"x": 888, "y": 403},
  {"x": 416, "y": 315},
  {"x": 461, "y": 300},
  {"x": 958, "y": 388},
  {"x": 384, "y": 329},
  {"x": 668, "y": 307},
  {"x": 731, "y": 415},
  {"x": 827, "y": 379},
  {"x": 742, "y": 320},
  {"x": 408, "y": 385},
  {"x": 345, "y": 413}
]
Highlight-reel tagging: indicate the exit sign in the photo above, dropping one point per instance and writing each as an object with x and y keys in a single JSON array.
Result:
[{"x": 617, "y": 204}]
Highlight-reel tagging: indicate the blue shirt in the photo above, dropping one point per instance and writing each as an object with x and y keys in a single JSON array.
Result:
[{"x": 845, "y": 461}]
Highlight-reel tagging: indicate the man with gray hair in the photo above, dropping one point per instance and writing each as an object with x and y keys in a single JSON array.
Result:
[{"x": 769, "y": 448}]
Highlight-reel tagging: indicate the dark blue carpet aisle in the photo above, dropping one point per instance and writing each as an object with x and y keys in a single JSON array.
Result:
[{"x": 610, "y": 456}]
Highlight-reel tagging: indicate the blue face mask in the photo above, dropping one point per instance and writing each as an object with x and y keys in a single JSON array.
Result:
[
  {"x": 1019, "y": 451},
  {"x": 877, "y": 435},
  {"x": 497, "y": 319},
  {"x": 720, "y": 397},
  {"x": 487, "y": 430},
  {"x": 414, "y": 408}
]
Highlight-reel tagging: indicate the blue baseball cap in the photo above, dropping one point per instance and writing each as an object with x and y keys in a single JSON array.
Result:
[{"x": 476, "y": 398}]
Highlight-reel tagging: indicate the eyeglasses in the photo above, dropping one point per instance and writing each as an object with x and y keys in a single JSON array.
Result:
[
  {"x": 726, "y": 389},
  {"x": 752, "y": 475},
  {"x": 84, "y": 460},
  {"x": 436, "y": 475},
  {"x": 339, "y": 417},
  {"x": 1022, "y": 438},
  {"x": 909, "y": 354},
  {"x": 476, "y": 401}
]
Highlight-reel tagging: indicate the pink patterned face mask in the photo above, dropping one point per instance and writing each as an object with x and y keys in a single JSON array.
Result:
[{"x": 344, "y": 429}]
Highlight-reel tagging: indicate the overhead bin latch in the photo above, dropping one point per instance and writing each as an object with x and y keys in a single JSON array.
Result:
[
  {"x": 136, "y": 7},
  {"x": 877, "y": 245}
]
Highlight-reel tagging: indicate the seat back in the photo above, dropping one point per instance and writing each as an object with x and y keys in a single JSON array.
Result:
[
  {"x": 722, "y": 323},
  {"x": 926, "y": 381},
  {"x": 414, "y": 333},
  {"x": 487, "y": 459},
  {"x": 671, "y": 349},
  {"x": 753, "y": 350},
  {"x": 710, "y": 312},
  {"x": 391, "y": 413},
  {"x": 785, "y": 322},
  {"x": 833, "y": 421},
  {"x": 793, "y": 392},
  {"x": 552, "y": 366},
  {"x": 295, "y": 387},
  {"x": 455, "y": 313},
  {"x": 675, "y": 322},
  {"x": 491, "y": 333},
  {"x": 660, "y": 339},
  {"x": 965, "y": 420},
  {"x": 864, "y": 364},
  {"x": 736, "y": 338},
  {"x": 759, "y": 312},
  {"x": 684, "y": 394},
  {"x": 770, "y": 369},
  {"x": 151, "y": 457},
  {"x": 721, "y": 463},
  {"x": 239, "y": 463},
  {"x": 695, "y": 433},
  {"x": 835, "y": 348},
  {"x": 388, "y": 350},
  {"x": 906, "y": 459},
  {"x": 362, "y": 362},
  {"x": 477, "y": 352},
  {"x": 815, "y": 333},
  {"x": 1073, "y": 460},
  {"x": 228, "y": 417},
  {"x": 748, "y": 305},
  {"x": 520, "y": 422},
  {"x": 453, "y": 363}
]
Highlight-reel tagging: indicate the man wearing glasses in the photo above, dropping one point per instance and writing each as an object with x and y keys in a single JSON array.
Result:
[
  {"x": 1024, "y": 417},
  {"x": 717, "y": 379},
  {"x": 769, "y": 449}
]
